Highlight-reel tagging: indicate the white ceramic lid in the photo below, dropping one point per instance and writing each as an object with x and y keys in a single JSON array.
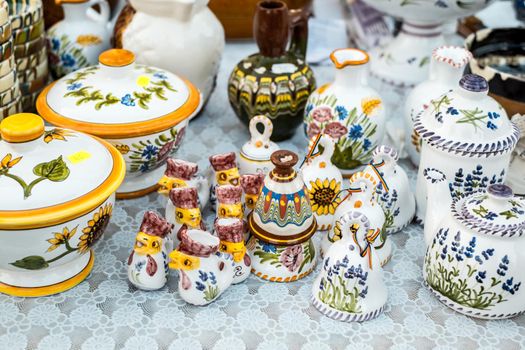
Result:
[
  {"x": 466, "y": 120},
  {"x": 50, "y": 174},
  {"x": 118, "y": 98},
  {"x": 259, "y": 147}
]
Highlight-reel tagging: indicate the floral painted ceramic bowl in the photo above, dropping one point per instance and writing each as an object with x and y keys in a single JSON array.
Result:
[
  {"x": 142, "y": 111},
  {"x": 58, "y": 191}
]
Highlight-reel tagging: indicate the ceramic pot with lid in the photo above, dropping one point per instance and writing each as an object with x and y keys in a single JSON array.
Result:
[
  {"x": 56, "y": 222},
  {"x": 141, "y": 110},
  {"x": 467, "y": 136},
  {"x": 475, "y": 249},
  {"x": 255, "y": 154},
  {"x": 282, "y": 224}
]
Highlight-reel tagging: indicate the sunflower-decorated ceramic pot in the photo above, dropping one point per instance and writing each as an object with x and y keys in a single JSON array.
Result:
[
  {"x": 142, "y": 111},
  {"x": 48, "y": 223},
  {"x": 282, "y": 224}
]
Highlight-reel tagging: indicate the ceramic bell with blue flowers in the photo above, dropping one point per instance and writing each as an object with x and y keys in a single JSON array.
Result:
[
  {"x": 466, "y": 135},
  {"x": 475, "y": 249},
  {"x": 350, "y": 285}
]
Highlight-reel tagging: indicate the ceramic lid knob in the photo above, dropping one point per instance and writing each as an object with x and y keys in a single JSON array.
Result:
[
  {"x": 21, "y": 127},
  {"x": 116, "y": 58},
  {"x": 284, "y": 162},
  {"x": 474, "y": 83},
  {"x": 500, "y": 191}
]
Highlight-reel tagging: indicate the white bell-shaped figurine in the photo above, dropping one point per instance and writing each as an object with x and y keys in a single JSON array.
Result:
[
  {"x": 393, "y": 191},
  {"x": 148, "y": 262},
  {"x": 350, "y": 285},
  {"x": 254, "y": 157}
]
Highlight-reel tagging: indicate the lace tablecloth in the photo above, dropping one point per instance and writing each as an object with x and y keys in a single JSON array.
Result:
[{"x": 104, "y": 312}]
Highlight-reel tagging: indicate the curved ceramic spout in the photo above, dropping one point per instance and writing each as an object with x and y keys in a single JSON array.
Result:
[{"x": 438, "y": 202}]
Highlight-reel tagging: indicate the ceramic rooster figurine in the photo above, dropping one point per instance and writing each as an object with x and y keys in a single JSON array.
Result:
[
  {"x": 252, "y": 185},
  {"x": 229, "y": 200},
  {"x": 187, "y": 214},
  {"x": 148, "y": 262},
  {"x": 226, "y": 172},
  {"x": 231, "y": 234}
]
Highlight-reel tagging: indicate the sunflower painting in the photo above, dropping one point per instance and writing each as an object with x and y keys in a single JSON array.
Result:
[
  {"x": 323, "y": 196},
  {"x": 95, "y": 227}
]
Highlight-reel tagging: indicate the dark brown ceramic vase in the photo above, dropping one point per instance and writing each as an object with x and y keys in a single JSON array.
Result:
[{"x": 276, "y": 81}]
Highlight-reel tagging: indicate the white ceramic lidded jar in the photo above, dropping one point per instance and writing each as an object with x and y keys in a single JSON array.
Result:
[
  {"x": 58, "y": 192},
  {"x": 475, "y": 249},
  {"x": 143, "y": 111},
  {"x": 446, "y": 69},
  {"x": 255, "y": 154},
  {"x": 467, "y": 136},
  {"x": 349, "y": 111}
]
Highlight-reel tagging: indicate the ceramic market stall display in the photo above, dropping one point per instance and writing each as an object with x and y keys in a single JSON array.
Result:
[
  {"x": 282, "y": 224},
  {"x": 475, "y": 249},
  {"x": 446, "y": 69},
  {"x": 181, "y": 36},
  {"x": 516, "y": 177},
  {"x": 405, "y": 60},
  {"x": 55, "y": 220},
  {"x": 467, "y": 136},
  {"x": 349, "y": 111},
  {"x": 10, "y": 97},
  {"x": 141, "y": 110},
  {"x": 254, "y": 156},
  {"x": 276, "y": 81}
]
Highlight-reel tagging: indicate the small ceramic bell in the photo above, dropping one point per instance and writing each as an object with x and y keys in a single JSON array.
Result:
[
  {"x": 324, "y": 181},
  {"x": 252, "y": 185},
  {"x": 231, "y": 234},
  {"x": 148, "y": 262},
  {"x": 282, "y": 224},
  {"x": 204, "y": 273},
  {"x": 180, "y": 173},
  {"x": 361, "y": 198},
  {"x": 397, "y": 200},
  {"x": 226, "y": 172},
  {"x": 350, "y": 285},
  {"x": 255, "y": 154},
  {"x": 229, "y": 202},
  {"x": 187, "y": 214}
]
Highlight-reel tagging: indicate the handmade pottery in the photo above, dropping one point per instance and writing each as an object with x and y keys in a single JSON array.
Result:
[
  {"x": 11, "y": 108},
  {"x": 141, "y": 110},
  {"x": 186, "y": 213},
  {"x": 499, "y": 58},
  {"x": 405, "y": 60},
  {"x": 446, "y": 69},
  {"x": 28, "y": 33},
  {"x": 361, "y": 198},
  {"x": 179, "y": 174},
  {"x": 56, "y": 221},
  {"x": 148, "y": 261},
  {"x": 23, "y": 13},
  {"x": 33, "y": 60},
  {"x": 5, "y": 32},
  {"x": 255, "y": 154},
  {"x": 189, "y": 29},
  {"x": 393, "y": 191},
  {"x": 349, "y": 111},
  {"x": 251, "y": 185},
  {"x": 323, "y": 181},
  {"x": 7, "y": 65},
  {"x": 350, "y": 285},
  {"x": 466, "y": 135},
  {"x": 10, "y": 94},
  {"x": 225, "y": 172},
  {"x": 6, "y": 50},
  {"x": 231, "y": 233},
  {"x": 275, "y": 82},
  {"x": 29, "y": 48},
  {"x": 204, "y": 272},
  {"x": 282, "y": 224},
  {"x": 516, "y": 176},
  {"x": 475, "y": 249},
  {"x": 229, "y": 202},
  {"x": 4, "y": 12}
]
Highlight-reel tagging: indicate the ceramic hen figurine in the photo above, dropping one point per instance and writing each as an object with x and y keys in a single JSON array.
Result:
[
  {"x": 231, "y": 234},
  {"x": 187, "y": 214},
  {"x": 148, "y": 262},
  {"x": 251, "y": 185},
  {"x": 226, "y": 172},
  {"x": 229, "y": 202}
]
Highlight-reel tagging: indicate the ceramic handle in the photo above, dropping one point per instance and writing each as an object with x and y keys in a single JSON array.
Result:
[
  {"x": 103, "y": 16},
  {"x": 299, "y": 26},
  {"x": 385, "y": 156},
  {"x": 353, "y": 220},
  {"x": 267, "y": 132},
  {"x": 328, "y": 147}
]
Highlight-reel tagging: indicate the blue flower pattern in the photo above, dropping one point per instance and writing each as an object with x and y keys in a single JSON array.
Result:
[
  {"x": 342, "y": 112},
  {"x": 127, "y": 100},
  {"x": 150, "y": 151},
  {"x": 74, "y": 86},
  {"x": 356, "y": 132}
]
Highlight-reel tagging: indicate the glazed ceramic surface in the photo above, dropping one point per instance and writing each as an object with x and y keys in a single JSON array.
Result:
[
  {"x": 349, "y": 111},
  {"x": 56, "y": 220},
  {"x": 224, "y": 172},
  {"x": 141, "y": 110},
  {"x": 475, "y": 249},
  {"x": 189, "y": 29},
  {"x": 516, "y": 176},
  {"x": 231, "y": 233},
  {"x": 350, "y": 285},
  {"x": 255, "y": 154},
  {"x": 251, "y": 185},
  {"x": 405, "y": 60},
  {"x": 186, "y": 213},
  {"x": 276, "y": 81},
  {"x": 204, "y": 272},
  {"x": 446, "y": 69},
  {"x": 393, "y": 190},
  {"x": 466, "y": 135},
  {"x": 78, "y": 40},
  {"x": 323, "y": 181},
  {"x": 282, "y": 224}
]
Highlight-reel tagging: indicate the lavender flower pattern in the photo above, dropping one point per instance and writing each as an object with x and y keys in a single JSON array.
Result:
[
  {"x": 388, "y": 201},
  {"x": 476, "y": 180},
  {"x": 207, "y": 283}
]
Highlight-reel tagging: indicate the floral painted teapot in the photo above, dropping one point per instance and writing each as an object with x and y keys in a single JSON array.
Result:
[
  {"x": 323, "y": 180},
  {"x": 204, "y": 272},
  {"x": 255, "y": 154},
  {"x": 350, "y": 285},
  {"x": 475, "y": 249}
]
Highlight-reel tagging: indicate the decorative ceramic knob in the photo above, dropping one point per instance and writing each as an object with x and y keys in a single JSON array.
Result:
[
  {"x": 284, "y": 161},
  {"x": 21, "y": 127},
  {"x": 474, "y": 83}
]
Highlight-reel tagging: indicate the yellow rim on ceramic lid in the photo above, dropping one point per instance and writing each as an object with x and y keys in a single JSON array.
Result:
[
  {"x": 119, "y": 98},
  {"x": 52, "y": 175}
]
